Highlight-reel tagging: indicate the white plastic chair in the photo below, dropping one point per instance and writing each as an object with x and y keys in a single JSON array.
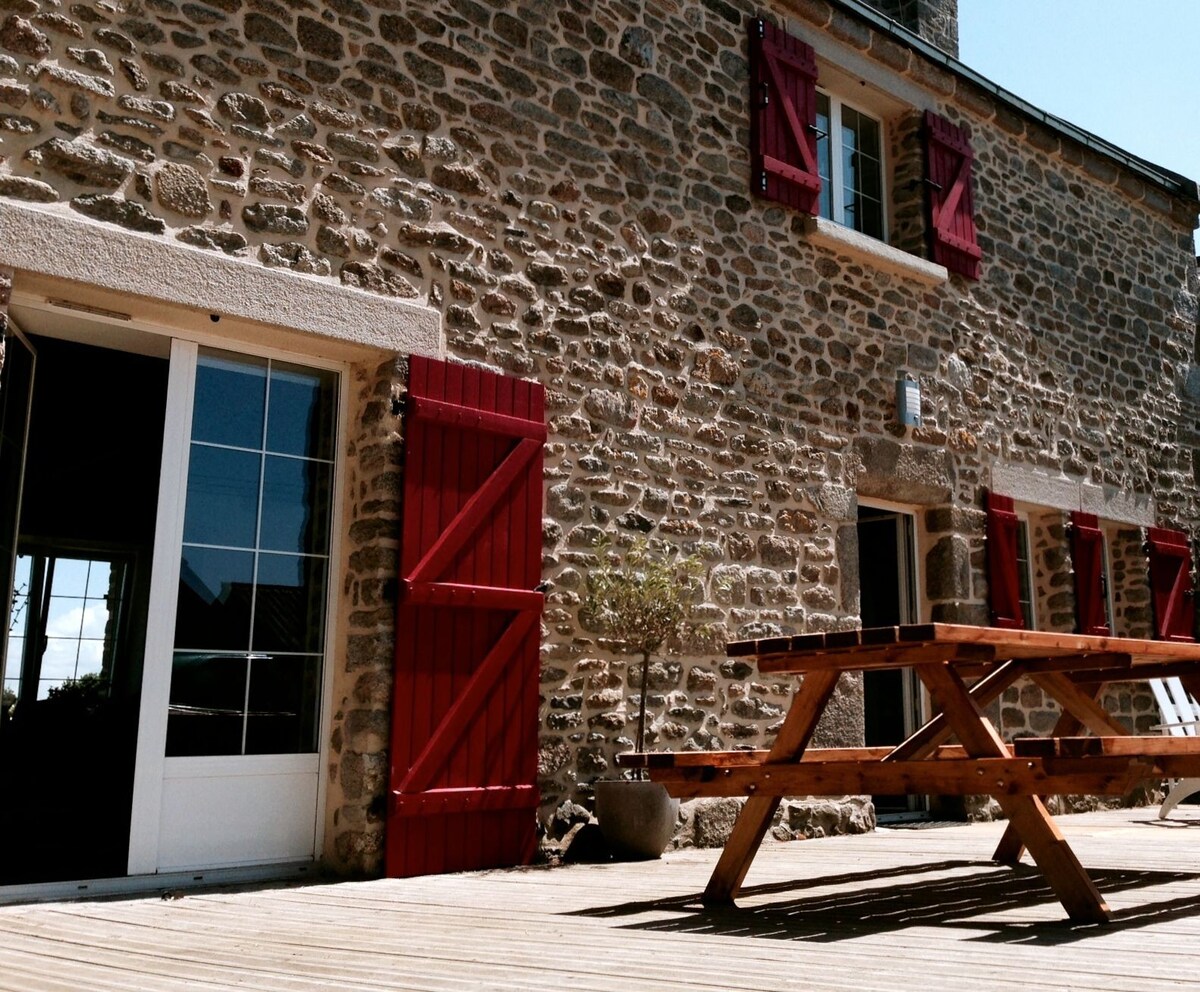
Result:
[{"x": 1181, "y": 716}]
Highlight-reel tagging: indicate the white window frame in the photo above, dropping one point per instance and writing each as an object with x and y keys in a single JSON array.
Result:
[{"x": 837, "y": 179}]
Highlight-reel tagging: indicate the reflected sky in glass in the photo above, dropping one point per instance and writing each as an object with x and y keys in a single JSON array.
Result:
[{"x": 231, "y": 395}]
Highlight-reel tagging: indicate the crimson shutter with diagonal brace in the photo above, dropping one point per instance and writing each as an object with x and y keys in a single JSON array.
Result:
[
  {"x": 783, "y": 100},
  {"x": 1171, "y": 584},
  {"x": 1087, "y": 559},
  {"x": 950, "y": 200},
  {"x": 1004, "y": 585},
  {"x": 465, "y": 699}
]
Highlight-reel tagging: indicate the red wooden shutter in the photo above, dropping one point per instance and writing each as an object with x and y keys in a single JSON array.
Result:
[
  {"x": 1171, "y": 584},
  {"x": 783, "y": 100},
  {"x": 1087, "y": 558},
  {"x": 465, "y": 700},
  {"x": 951, "y": 203},
  {"x": 1004, "y": 585}
]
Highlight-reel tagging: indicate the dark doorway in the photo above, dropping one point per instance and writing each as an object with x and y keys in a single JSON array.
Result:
[
  {"x": 76, "y": 620},
  {"x": 887, "y": 597}
]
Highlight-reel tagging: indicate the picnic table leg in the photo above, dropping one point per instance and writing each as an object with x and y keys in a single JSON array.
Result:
[
  {"x": 1078, "y": 704},
  {"x": 1010, "y": 848},
  {"x": 1027, "y": 814},
  {"x": 793, "y": 737}
]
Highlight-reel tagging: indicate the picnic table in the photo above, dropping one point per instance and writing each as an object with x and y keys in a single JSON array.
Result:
[{"x": 964, "y": 668}]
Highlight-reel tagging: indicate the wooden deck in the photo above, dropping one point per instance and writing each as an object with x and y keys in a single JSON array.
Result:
[{"x": 897, "y": 909}]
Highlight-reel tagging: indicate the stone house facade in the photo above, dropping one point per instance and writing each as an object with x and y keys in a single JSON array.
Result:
[{"x": 564, "y": 192}]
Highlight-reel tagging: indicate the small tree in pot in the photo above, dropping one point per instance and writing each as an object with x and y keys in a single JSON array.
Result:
[{"x": 639, "y": 599}]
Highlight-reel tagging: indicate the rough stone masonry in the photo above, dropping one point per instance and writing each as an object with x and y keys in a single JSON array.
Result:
[{"x": 567, "y": 183}]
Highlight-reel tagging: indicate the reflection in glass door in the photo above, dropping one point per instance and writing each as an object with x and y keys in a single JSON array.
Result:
[{"x": 249, "y": 629}]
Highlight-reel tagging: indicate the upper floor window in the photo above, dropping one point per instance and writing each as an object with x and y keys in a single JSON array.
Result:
[
  {"x": 850, "y": 164},
  {"x": 814, "y": 153}
]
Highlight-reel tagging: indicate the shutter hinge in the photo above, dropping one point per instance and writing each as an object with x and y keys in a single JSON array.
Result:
[
  {"x": 760, "y": 27},
  {"x": 762, "y": 180}
]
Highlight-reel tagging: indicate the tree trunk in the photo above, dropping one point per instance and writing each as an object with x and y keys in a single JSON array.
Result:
[{"x": 641, "y": 731}]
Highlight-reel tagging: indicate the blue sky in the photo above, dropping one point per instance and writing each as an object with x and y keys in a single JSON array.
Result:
[{"x": 1126, "y": 71}]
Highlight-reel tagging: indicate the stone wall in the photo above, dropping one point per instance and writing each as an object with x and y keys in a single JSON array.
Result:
[
  {"x": 934, "y": 20},
  {"x": 567, "y": 183},
  {"x": 1133, "y": 613},
  {"x": 358, "y": 761}
]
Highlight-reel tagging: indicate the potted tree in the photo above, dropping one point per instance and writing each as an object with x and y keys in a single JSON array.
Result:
[{"x": 638, "y": 599}]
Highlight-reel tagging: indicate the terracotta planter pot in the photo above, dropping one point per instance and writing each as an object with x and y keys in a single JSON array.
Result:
[{"x": 637, "y": 818}]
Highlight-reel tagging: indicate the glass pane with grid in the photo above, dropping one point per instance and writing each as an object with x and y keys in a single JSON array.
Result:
[
  {"x": 862, "y": 173},
  {"x": 249, "y": 631},
  {"x": 63, "y": 623}
]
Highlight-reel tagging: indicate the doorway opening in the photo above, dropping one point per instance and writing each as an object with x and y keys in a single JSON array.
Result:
[
  {"x": 77, "y": 571},
  {"x": 892, "y": 700}
]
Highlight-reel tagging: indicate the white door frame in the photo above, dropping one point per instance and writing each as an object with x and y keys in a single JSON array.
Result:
[
  {"x": 153, "y": 812},
  {"x": 160, "y": 630}
]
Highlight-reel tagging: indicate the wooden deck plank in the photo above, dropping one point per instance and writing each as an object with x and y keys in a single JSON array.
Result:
[{"x": 892, "y": 910}]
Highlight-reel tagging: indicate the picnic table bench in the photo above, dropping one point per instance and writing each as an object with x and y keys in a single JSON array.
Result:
[{"x": 1070, "y": 668}]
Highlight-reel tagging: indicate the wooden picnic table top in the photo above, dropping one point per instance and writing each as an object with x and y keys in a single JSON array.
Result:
[
  {"x": 889, "y": 647},
  {"x": 1070, "y": 668}
]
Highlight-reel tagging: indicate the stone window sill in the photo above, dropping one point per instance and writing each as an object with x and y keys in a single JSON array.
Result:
[{"x": 847, "y": 241}]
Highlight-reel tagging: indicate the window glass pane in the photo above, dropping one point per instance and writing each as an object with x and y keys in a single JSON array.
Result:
[
  {"x": 58, "y": 660},
  {"x": 860, "y": 172},
  {"x": 295, "y": 511},
  {"x": 214, "y": 599},
  {"x": 261, "y": 585},
  {"x": 21, "y": 573},
  {"x": 849, "y": 129},
  {"x": 868, "y": 135},
  {"x": 222, "y": 497},
  {"x": 300, "y": 419},
  {"x": 208, "y": 698},
  {"x": 98, "y": 579},
  {"x": 70, "y": 577},
  {"x": 849, "y": 171},
  {"x": 870, "y": 217},
  {"x": 282, "y": 716},
  {"x": 867, "y": 176},
  {"x": 65, "y": 617},
  {"x": 850, "y": 211},
  {"x": 289, "y": 606},
  {"x": 13, "y": 654},
  {"x": 824, "y": 152},
  {"x": 230, "y": 399}
]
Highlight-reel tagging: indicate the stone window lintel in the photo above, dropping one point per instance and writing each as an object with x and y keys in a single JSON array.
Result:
[{"x": 878, "y": 254}]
